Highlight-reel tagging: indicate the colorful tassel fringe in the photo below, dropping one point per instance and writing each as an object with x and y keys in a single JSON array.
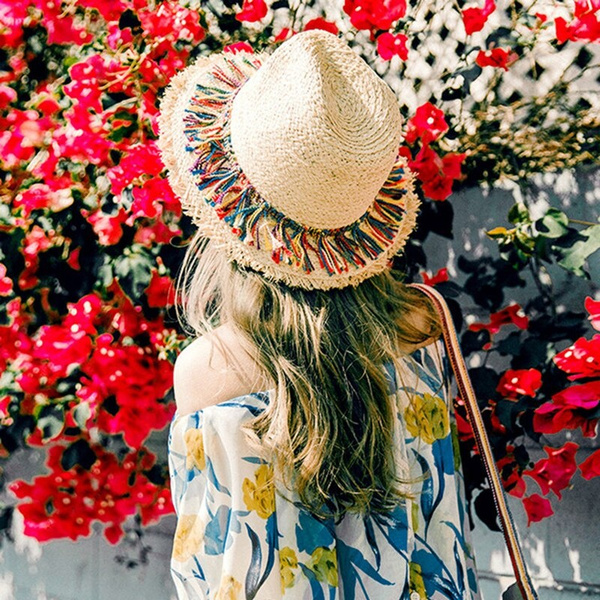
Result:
[{"x": 256, "y": 223}]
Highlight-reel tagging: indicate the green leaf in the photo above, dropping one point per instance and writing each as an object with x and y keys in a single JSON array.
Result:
[
  {"x": 134, "y": 273},
  {"x": 553, "y": 224},
  {"x": 519, "y": 214},
  {"x": 574, "y": 258},
  {"x": 51, "y": 420}
]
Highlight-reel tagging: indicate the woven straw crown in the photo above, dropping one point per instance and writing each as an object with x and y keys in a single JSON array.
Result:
[{"x": 291, "y": 160}]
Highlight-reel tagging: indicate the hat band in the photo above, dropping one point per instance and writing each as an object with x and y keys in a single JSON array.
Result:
[{"x": 257, "y": 224}]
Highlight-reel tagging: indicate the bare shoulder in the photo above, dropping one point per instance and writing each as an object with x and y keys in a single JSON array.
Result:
[{"x": 212, "y": 369}]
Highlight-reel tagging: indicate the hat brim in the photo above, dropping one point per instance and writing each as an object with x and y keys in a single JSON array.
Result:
[{"x": 195, "y": 144}]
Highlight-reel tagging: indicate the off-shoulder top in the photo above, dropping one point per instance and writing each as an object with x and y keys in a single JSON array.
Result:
[{"x": 239, "y": 539}]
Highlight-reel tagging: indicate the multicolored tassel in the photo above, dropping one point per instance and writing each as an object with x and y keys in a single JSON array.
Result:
[{"x": 253, "y": 220}]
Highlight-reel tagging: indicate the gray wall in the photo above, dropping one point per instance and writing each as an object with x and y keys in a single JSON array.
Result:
[{"x": 562, "y": 551}]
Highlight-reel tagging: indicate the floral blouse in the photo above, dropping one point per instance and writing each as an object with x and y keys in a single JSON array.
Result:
[{"x": 238, "y": 538}]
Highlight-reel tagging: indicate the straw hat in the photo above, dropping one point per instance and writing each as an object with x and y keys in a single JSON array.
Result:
[{"x": 290, "y": 160}]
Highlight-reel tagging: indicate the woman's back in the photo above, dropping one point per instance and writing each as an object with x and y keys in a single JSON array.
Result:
[{"x": 240, "y": 537}]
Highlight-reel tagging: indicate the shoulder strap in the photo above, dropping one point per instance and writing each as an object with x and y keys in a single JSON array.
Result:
[{"x": 467, "y": 394}]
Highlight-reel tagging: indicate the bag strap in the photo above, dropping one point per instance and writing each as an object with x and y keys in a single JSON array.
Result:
[{"x": 467, "y": 394}]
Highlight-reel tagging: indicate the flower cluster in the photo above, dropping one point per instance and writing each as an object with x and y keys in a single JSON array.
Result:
[
  {"x": 436, "y": 173},
  {"x": 66, "y": 501}
]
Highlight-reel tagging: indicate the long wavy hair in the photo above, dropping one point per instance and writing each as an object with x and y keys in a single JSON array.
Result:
[{"x": 330, "y": 427}]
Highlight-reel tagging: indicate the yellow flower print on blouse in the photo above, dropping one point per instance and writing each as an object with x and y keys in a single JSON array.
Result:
[
  {"x": 229, "y": 589},
  {"x": 259, "y": 495},
  {"x": 188, "y": 537},
  {"x": 288, "y": 563},
  {"x": 416, "y": 581},
  {"x": 194, "y": 445},
  {"x": 323, "y": 564},
  {"x": 427, "y": 417}
]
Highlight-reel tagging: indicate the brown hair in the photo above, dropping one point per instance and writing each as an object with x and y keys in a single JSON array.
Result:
[{"x": 329, "y": 430}]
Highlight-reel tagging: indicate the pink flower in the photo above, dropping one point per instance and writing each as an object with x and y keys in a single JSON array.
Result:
[
  {"x": 537, "y": 508},
  {"x": 320, "y": 23},
  {"x": 570, "y": 409},
  {"x": 389, "y": 45},
  {"x": 584, "y": 395},
  {"x": 523, "y": 382},
  {"x": 252, "y": 10},
  {"x": 475, "y": 18},
  {"x": 496, "y": 57}
]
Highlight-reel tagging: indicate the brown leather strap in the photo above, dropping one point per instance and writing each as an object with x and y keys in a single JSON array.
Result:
[{"x": 467, "y": 394}]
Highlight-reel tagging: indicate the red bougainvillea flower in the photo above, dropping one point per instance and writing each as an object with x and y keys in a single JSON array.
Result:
[
  {"x": 6, "y": 284},
  {"x": 62, "y": 28},
  {"x": 569, "y": 409},
  {"x": 170, "y": 22},
  {"x": 12, "y": 19},
  {"x": 474, "y": 18},
  {"x": 582, "y": 359},
  {"x": 537, "y": 508},
  {"x": 555, "y": 472},
  {"x": 585, "y": 27},
  {"x": 141, "y": 160},
  {"x": 86, "y": 77},
  {"x": 521, "y": 382},
  {"x": 64, "y": 503},
  {"x": 440, "y": 186},
  {"x": 590, "y": 467},
  {"x": 512, "y": 314},
  {"x": 7, "y": 95},
  {"x": 593, "y": 308},
  {"x": 496, "y": 57},
  {"x": 439, "y": 277},
  {"x": 84, "y": 315},
  {"x": 54, "y": 194},
  {"x": 108, "y": 228},
  {"x": 160, "y": 291},
  {"x": 508, "y": 467},
  {"x": 283, "y": 35},
  {"x": 252, "y": 10},
  {"x": 22, "y": 132},
  {"x": 437, "y": 174},
  {"x": 374, "y": 14},
  {"x": 390, "y": 45},
  {"x": 320, "y": 23},
  {"x": 428, "y": 123},
  {"x": 239, "y": 47}
]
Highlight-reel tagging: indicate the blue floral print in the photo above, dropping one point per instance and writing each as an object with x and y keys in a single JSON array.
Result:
[{"x": 239, "y": 537}]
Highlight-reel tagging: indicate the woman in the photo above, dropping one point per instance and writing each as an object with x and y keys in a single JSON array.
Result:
[{"x": 311, "y": 453}]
